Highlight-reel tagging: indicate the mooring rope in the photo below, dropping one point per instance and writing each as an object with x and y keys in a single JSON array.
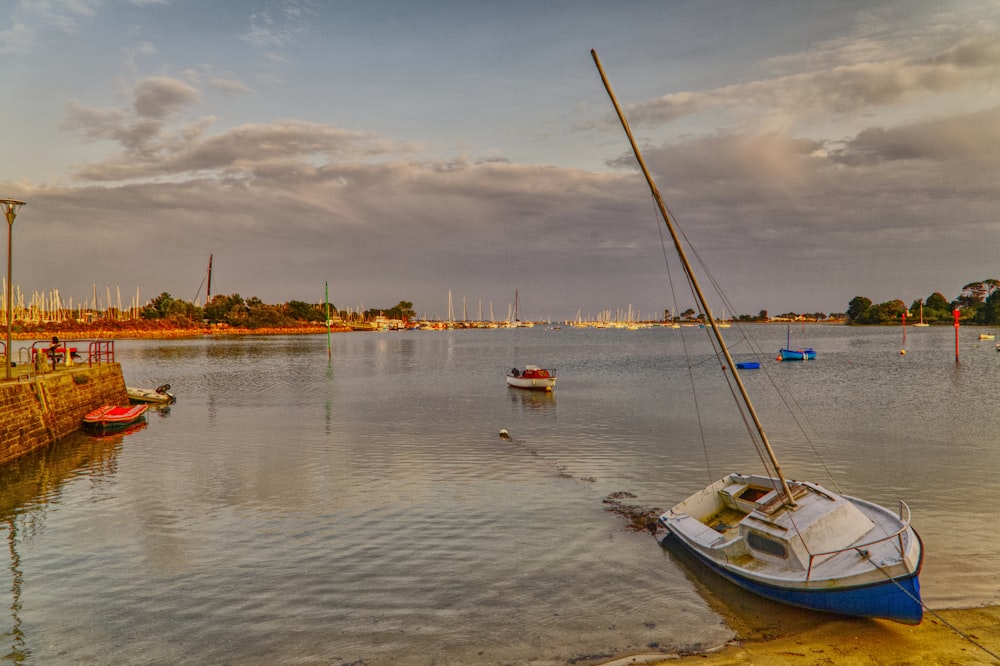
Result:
[{"x": 932, "y": 612}]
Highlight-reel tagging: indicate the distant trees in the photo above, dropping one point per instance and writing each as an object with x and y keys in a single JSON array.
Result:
[
  {"x": 861, "y": 311},
  {"x": 935, "y": 309},
  {"x": 234, "y": 310},
  {"x": 979, "y": 303},
  {"x": 165, "y": 306},
  {"x": 857, "y": 310},
  {"x": 300, "y": 311}
]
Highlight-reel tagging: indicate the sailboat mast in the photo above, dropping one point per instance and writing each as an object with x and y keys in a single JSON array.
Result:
[
  {"x": 208, "y": 294},
  {"x": 694, "y": 283}
]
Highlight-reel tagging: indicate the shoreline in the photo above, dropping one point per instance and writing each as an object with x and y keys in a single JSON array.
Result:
[
  {"x": 162, "y": 333},
  {"x": 949, "y": 636}
]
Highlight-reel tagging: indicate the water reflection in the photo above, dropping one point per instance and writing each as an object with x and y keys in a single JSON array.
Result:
[
  {"x": 133, "y": 428},
  {"x": 744, "y": 611},
  {"x": 19, "y": 651},
  {"x": 31, "y": 485},
  {"x": 532, "y": 401}
]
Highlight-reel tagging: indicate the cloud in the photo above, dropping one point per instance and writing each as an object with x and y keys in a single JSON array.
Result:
[
  {"x": 28, "y": 19},
  {"x": 161, "y": 96},
  {"x": 275, "y": 29},
  {"x": 17, "y": 39},
  {"x": 840, "y": 89},
  {"x": 293, "y": 146},
  {"x": 229, "y": 87},
  {"x": 971, "y": 138}
]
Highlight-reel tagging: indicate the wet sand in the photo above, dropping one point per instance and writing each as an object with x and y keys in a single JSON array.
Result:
[
  {"x": 973, "y": 637},
  {"x": 769, "y": 633}
]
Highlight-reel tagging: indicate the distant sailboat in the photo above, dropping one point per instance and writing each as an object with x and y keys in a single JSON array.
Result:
[
  {"x": 921, "y": 322},
  {"x": 208, "y": 294}
]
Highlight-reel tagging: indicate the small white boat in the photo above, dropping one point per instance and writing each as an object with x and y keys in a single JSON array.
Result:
[
  {"x": 532, "y": 377},
  {"x": 987, "y": 336},
  {"x": 161, "y": 395}
]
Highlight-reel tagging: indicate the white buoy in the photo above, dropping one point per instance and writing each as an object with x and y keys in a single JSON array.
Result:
[{"x": 504, "y": 434}]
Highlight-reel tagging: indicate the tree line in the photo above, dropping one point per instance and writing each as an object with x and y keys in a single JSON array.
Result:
[
  {"x": 979, "y": 303},
  {"x": 251, "y": 312}
]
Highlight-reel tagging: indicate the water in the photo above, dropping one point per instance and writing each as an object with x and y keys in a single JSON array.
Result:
[{"x": 289, "y": 509}]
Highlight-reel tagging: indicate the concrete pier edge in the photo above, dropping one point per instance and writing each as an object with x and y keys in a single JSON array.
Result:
[{"x": 36, "y": 411}]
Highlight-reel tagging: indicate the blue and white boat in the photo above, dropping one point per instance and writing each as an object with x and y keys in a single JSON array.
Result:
[
  {"x": 794, "y": 542},
  {"x": 806, "y": 354},
  {"x": 789, "y": 354},
  {"x": 818, "y": 550}
]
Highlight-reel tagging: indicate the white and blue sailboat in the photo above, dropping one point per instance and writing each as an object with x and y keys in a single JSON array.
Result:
[
  {"x": 793, "y": 542},
  {"x": 789, "y": 354}
]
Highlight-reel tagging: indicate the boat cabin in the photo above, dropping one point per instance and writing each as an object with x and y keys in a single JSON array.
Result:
[
  {"x": 820, "y": 522},
  {"x": 531, "y": 372}
]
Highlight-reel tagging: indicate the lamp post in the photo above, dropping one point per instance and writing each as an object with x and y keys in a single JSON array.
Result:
[{"x": 10, "y": 208}]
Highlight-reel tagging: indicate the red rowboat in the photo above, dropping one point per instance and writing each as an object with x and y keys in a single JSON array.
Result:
[{"x": 110, "y": 417}]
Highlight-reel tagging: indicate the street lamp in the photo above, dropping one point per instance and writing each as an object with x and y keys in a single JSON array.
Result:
[{"x": 10, "y": 208}]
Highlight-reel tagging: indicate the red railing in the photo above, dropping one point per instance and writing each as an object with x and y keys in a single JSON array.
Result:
[
  {"x": 98, "y": 351},
  {"x": 101, "y": 351}
]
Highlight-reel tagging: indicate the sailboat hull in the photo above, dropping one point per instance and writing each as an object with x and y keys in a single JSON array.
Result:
[
  {"x": 797, "y": 354},
  {"x": 897, "y": 599},
  {"x": 850, "y": 557}
]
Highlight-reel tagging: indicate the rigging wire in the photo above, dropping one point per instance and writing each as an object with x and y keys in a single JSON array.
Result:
[
  {"x": 972, "y": 640},
  {"x": 716, "y": 350},
  {"x": 687, "y": 355},
  {"x": 784, "y": 394}
]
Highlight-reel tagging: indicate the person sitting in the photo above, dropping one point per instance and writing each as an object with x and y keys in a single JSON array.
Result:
[{"x": 53, "y": 351}]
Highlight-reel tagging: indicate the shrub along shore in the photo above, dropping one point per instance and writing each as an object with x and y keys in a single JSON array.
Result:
[{"x": 155, "y": 329}]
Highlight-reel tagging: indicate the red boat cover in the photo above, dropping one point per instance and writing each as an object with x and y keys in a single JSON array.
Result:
[{"x": 114, "y": 414}]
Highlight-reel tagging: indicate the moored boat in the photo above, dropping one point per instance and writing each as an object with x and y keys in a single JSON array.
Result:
[
  {"x": 532, "y": 377},
  {"x": 794, "y": 542},
  {"x": 789, "y": 354},
  {"x": 827, "y": 552},
  {"x": 161, "y": 395},
  {"x": 112, "y": 417},
  {"x": 806, "y": 354}
]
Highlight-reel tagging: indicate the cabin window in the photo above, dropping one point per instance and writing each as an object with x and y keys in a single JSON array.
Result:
[{"x": 764, "y": 544}]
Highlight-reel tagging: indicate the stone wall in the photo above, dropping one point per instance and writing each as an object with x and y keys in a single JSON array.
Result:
[{"x": 40, "y": 410}]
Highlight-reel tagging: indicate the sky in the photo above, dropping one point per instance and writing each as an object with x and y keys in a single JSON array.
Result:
[{"x": 811, "y": 151}]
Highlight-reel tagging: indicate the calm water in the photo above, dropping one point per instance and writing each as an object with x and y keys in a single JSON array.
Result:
[{"x": 290, "y": 509}]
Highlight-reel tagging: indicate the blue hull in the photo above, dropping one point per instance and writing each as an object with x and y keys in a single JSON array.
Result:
[
  {"x": 897, "y": 599},
  {"x": 797, "y": 354}
]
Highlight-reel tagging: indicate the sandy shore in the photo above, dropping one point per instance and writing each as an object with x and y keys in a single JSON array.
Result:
[{"x": 952, "y": 637}]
